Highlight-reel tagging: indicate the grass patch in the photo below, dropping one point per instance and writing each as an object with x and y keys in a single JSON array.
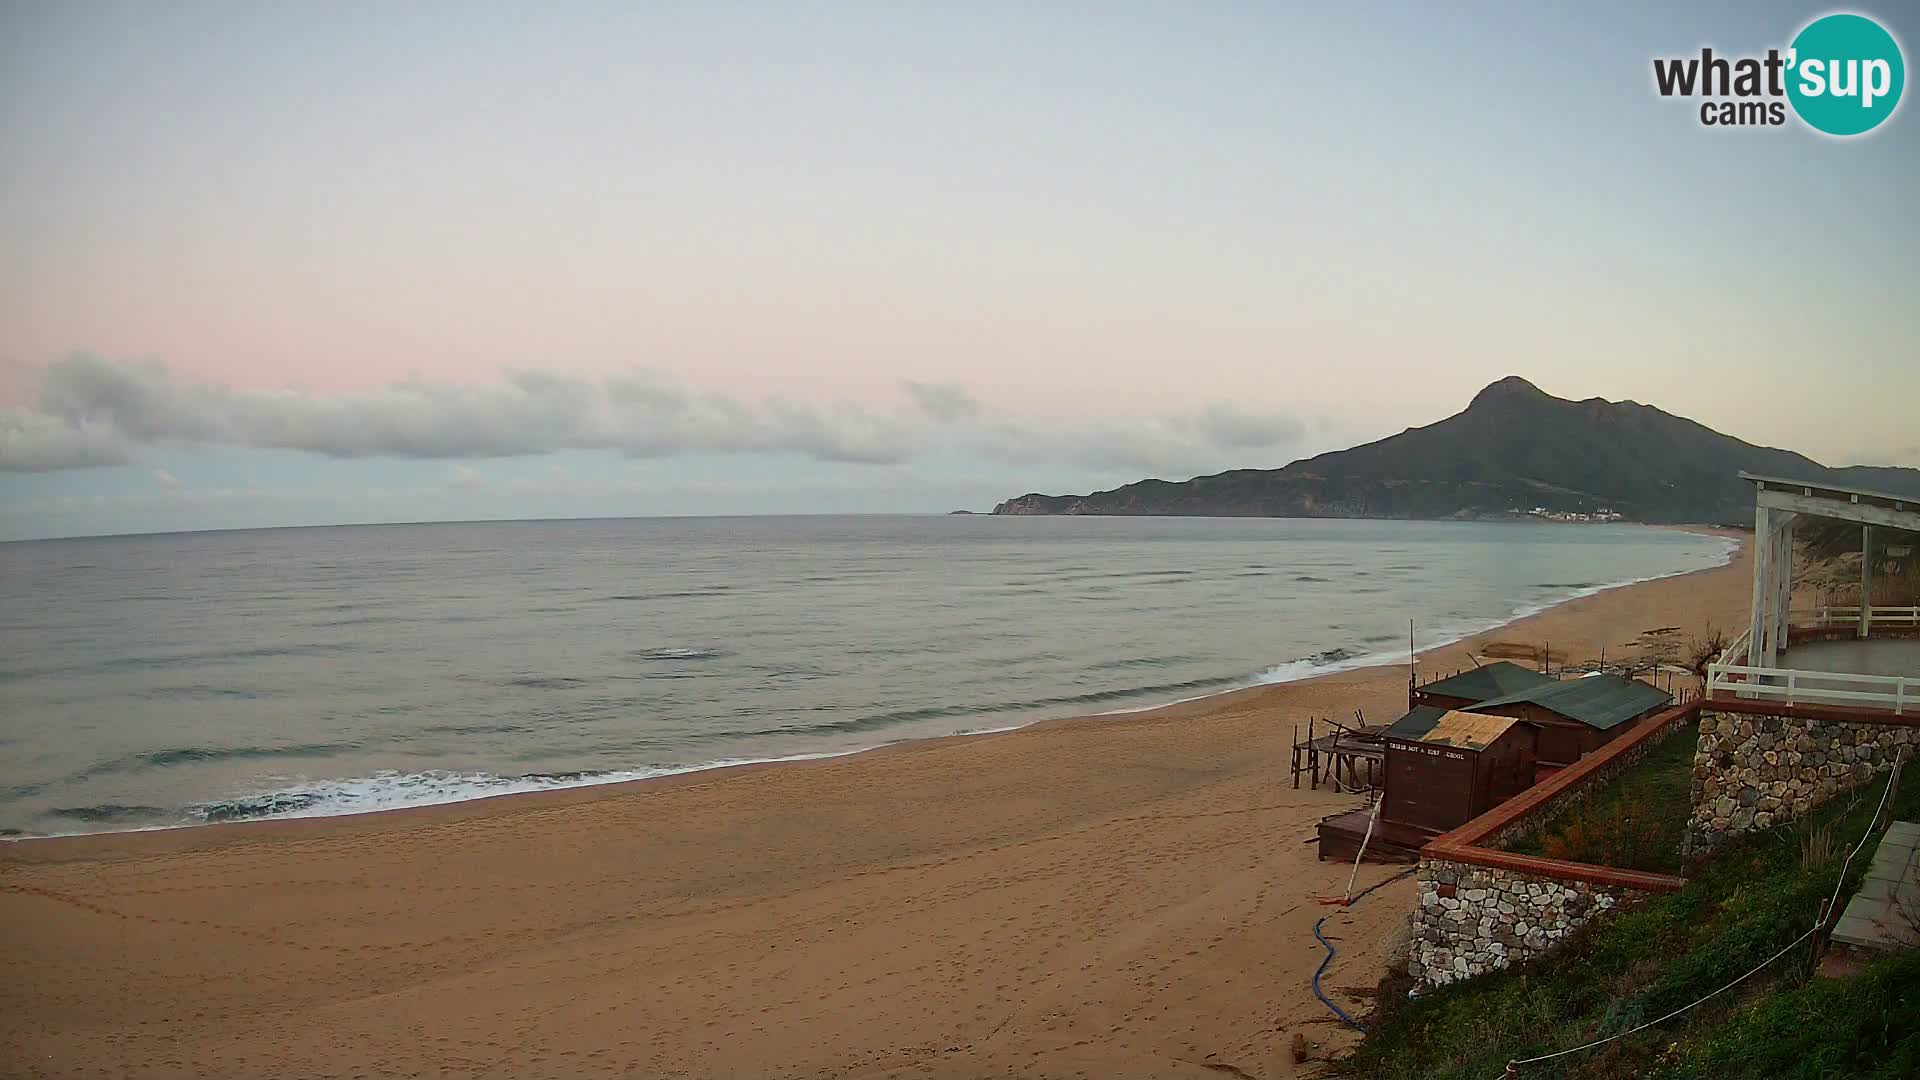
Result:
[
  {"x": 1632, "y": 821},
  {"x": 1759, "y": 893},
  {"x": 1862, "y": 1026}
]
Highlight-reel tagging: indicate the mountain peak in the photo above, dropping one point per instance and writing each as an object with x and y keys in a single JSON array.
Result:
[{"x": 1511, "y": 388}]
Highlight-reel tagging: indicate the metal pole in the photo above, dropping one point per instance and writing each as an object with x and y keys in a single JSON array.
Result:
[{"x": 1413, "y": 678}]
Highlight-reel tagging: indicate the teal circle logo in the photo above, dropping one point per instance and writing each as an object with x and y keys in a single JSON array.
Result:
[{"x": 1845, "y": 74}]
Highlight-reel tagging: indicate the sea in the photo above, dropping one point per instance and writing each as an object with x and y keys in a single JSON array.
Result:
[{"x": 181, "y": 679}]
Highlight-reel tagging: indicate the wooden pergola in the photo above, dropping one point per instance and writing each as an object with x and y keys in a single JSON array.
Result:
[{"x": 1778, "y": 504}]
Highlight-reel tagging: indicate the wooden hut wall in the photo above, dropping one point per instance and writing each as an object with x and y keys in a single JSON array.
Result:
[
  {"x": 1505, "y": 768},
  {"x": 1429, "y": 786},
  {"x": 1561, "y": 740}
]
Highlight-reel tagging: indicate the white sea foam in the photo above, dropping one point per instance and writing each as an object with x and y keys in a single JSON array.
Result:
[
  {"x": 678, "y": 654},
  {"x": 394, "y": 790}
]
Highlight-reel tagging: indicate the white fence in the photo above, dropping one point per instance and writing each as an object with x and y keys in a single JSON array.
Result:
[
  {"x": 1794, "y": 687},
  {"x": 1850, "y": 616},
  {"x": 1823, "y": 618},
  {"x": 1736, "y": 653},
  {"x": 1732, "y": 675}
]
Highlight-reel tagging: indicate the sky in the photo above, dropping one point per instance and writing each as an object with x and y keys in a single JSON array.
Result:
[{"x": 272, "y": 264}]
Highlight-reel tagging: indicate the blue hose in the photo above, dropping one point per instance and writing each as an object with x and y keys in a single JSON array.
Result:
[
  {"x": 1324, "y": 961},
  {"x": 1328, "y": 959}
]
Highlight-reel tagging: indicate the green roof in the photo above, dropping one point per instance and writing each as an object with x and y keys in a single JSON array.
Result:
[
  {"x": 1418, "y": 721},
  {"x": 1598, "y": 701},
  {"x": 1498, "y": 679}
]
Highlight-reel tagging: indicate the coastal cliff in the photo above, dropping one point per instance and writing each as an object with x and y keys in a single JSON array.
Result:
[{"x": 1028, "y": 505}]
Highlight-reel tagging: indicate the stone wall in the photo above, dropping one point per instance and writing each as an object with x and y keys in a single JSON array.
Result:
[
  {"x": 1755, "y": 771},
  {"x": 1482, "y": 909},
  {"x": 1475, "y": 919}
]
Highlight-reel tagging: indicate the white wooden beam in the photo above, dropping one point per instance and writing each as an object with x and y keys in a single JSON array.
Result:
[
  {"x": 1835, "y": 508},
  {"x": 1787, "y": 483},
  {"x": 1779, "y": 585},
  {"x": 1757, "y": 652},
  {"x": 1784, "y": 596}
]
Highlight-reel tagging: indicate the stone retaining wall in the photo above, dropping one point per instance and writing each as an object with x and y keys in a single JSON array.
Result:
[
  {"x": 1754, "y": 770},
  {"x": 1475, "y": 919},
  {"x": 1482, "y": 909}
]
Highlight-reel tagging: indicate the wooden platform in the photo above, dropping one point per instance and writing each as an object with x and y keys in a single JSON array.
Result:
[
  {"x": 1393, "y": 841},
  {"x": 1351, "y": 758}
]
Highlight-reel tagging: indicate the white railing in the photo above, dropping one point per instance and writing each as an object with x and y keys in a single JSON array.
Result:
[
  {"x": 1850, "y": 616},
  {"x": 1736, "y": 653},
  {"x": 1795, "y": 687}
]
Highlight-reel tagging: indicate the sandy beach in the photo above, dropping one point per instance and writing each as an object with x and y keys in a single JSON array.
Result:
[{"x": 1113, "y": 896}]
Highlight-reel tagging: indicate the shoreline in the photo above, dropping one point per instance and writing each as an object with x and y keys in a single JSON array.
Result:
[
  {"x": 1128, "y": 894},
  {"x": 1358, "y": 664}
]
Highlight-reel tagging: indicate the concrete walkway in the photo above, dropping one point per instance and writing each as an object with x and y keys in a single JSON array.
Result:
[
  {"x": 1885, "y": 913},
  {"x": 1875, "y": 656}
]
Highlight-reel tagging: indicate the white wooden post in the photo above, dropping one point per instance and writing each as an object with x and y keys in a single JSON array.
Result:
[
  {"x": 1784, "y": 581},
  {"x": 1757, "y": 632},
  {"x": 1866, "y": 580}
]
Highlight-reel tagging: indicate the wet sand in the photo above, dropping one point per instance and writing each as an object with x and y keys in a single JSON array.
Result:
[{"x": 1112, "y": 896}]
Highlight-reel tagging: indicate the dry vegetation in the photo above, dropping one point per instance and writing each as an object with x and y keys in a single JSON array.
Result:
[{"x": 1829, "y": 570}]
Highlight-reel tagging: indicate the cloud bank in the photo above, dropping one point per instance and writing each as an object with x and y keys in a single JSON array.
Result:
[{"x": 94, "y": 411}]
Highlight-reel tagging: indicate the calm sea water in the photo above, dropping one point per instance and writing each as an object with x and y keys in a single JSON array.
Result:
[{"x": 180, "y": 679}]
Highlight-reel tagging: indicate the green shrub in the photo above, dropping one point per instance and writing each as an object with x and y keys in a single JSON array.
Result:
[{"x": 1632, "y": 821}]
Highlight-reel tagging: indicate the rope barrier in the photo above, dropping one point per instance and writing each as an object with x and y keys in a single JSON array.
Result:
[
  {"x": 1893, "y": 778},
  {"x": 1364, "y": 841},
  {"x": 1900, "y": 760},
  {"x": 1651, "y": 1023}
]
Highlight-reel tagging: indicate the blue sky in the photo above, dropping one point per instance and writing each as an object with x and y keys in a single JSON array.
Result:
[{"x": 306, "y": 263}]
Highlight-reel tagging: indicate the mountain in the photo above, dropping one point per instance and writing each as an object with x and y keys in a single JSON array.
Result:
[{"x": 1513, "y": 448}]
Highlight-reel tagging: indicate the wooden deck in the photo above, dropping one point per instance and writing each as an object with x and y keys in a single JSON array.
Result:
[{"x": 1393, "y": 841}]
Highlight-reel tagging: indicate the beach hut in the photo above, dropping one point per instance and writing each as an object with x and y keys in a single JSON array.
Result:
[
  {"x": 1484, "y": 683},
  {"x": 1446, "y": 767},
  {"x": 1443, "y": 767},
  {"x": 1578, "y": 716}
]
